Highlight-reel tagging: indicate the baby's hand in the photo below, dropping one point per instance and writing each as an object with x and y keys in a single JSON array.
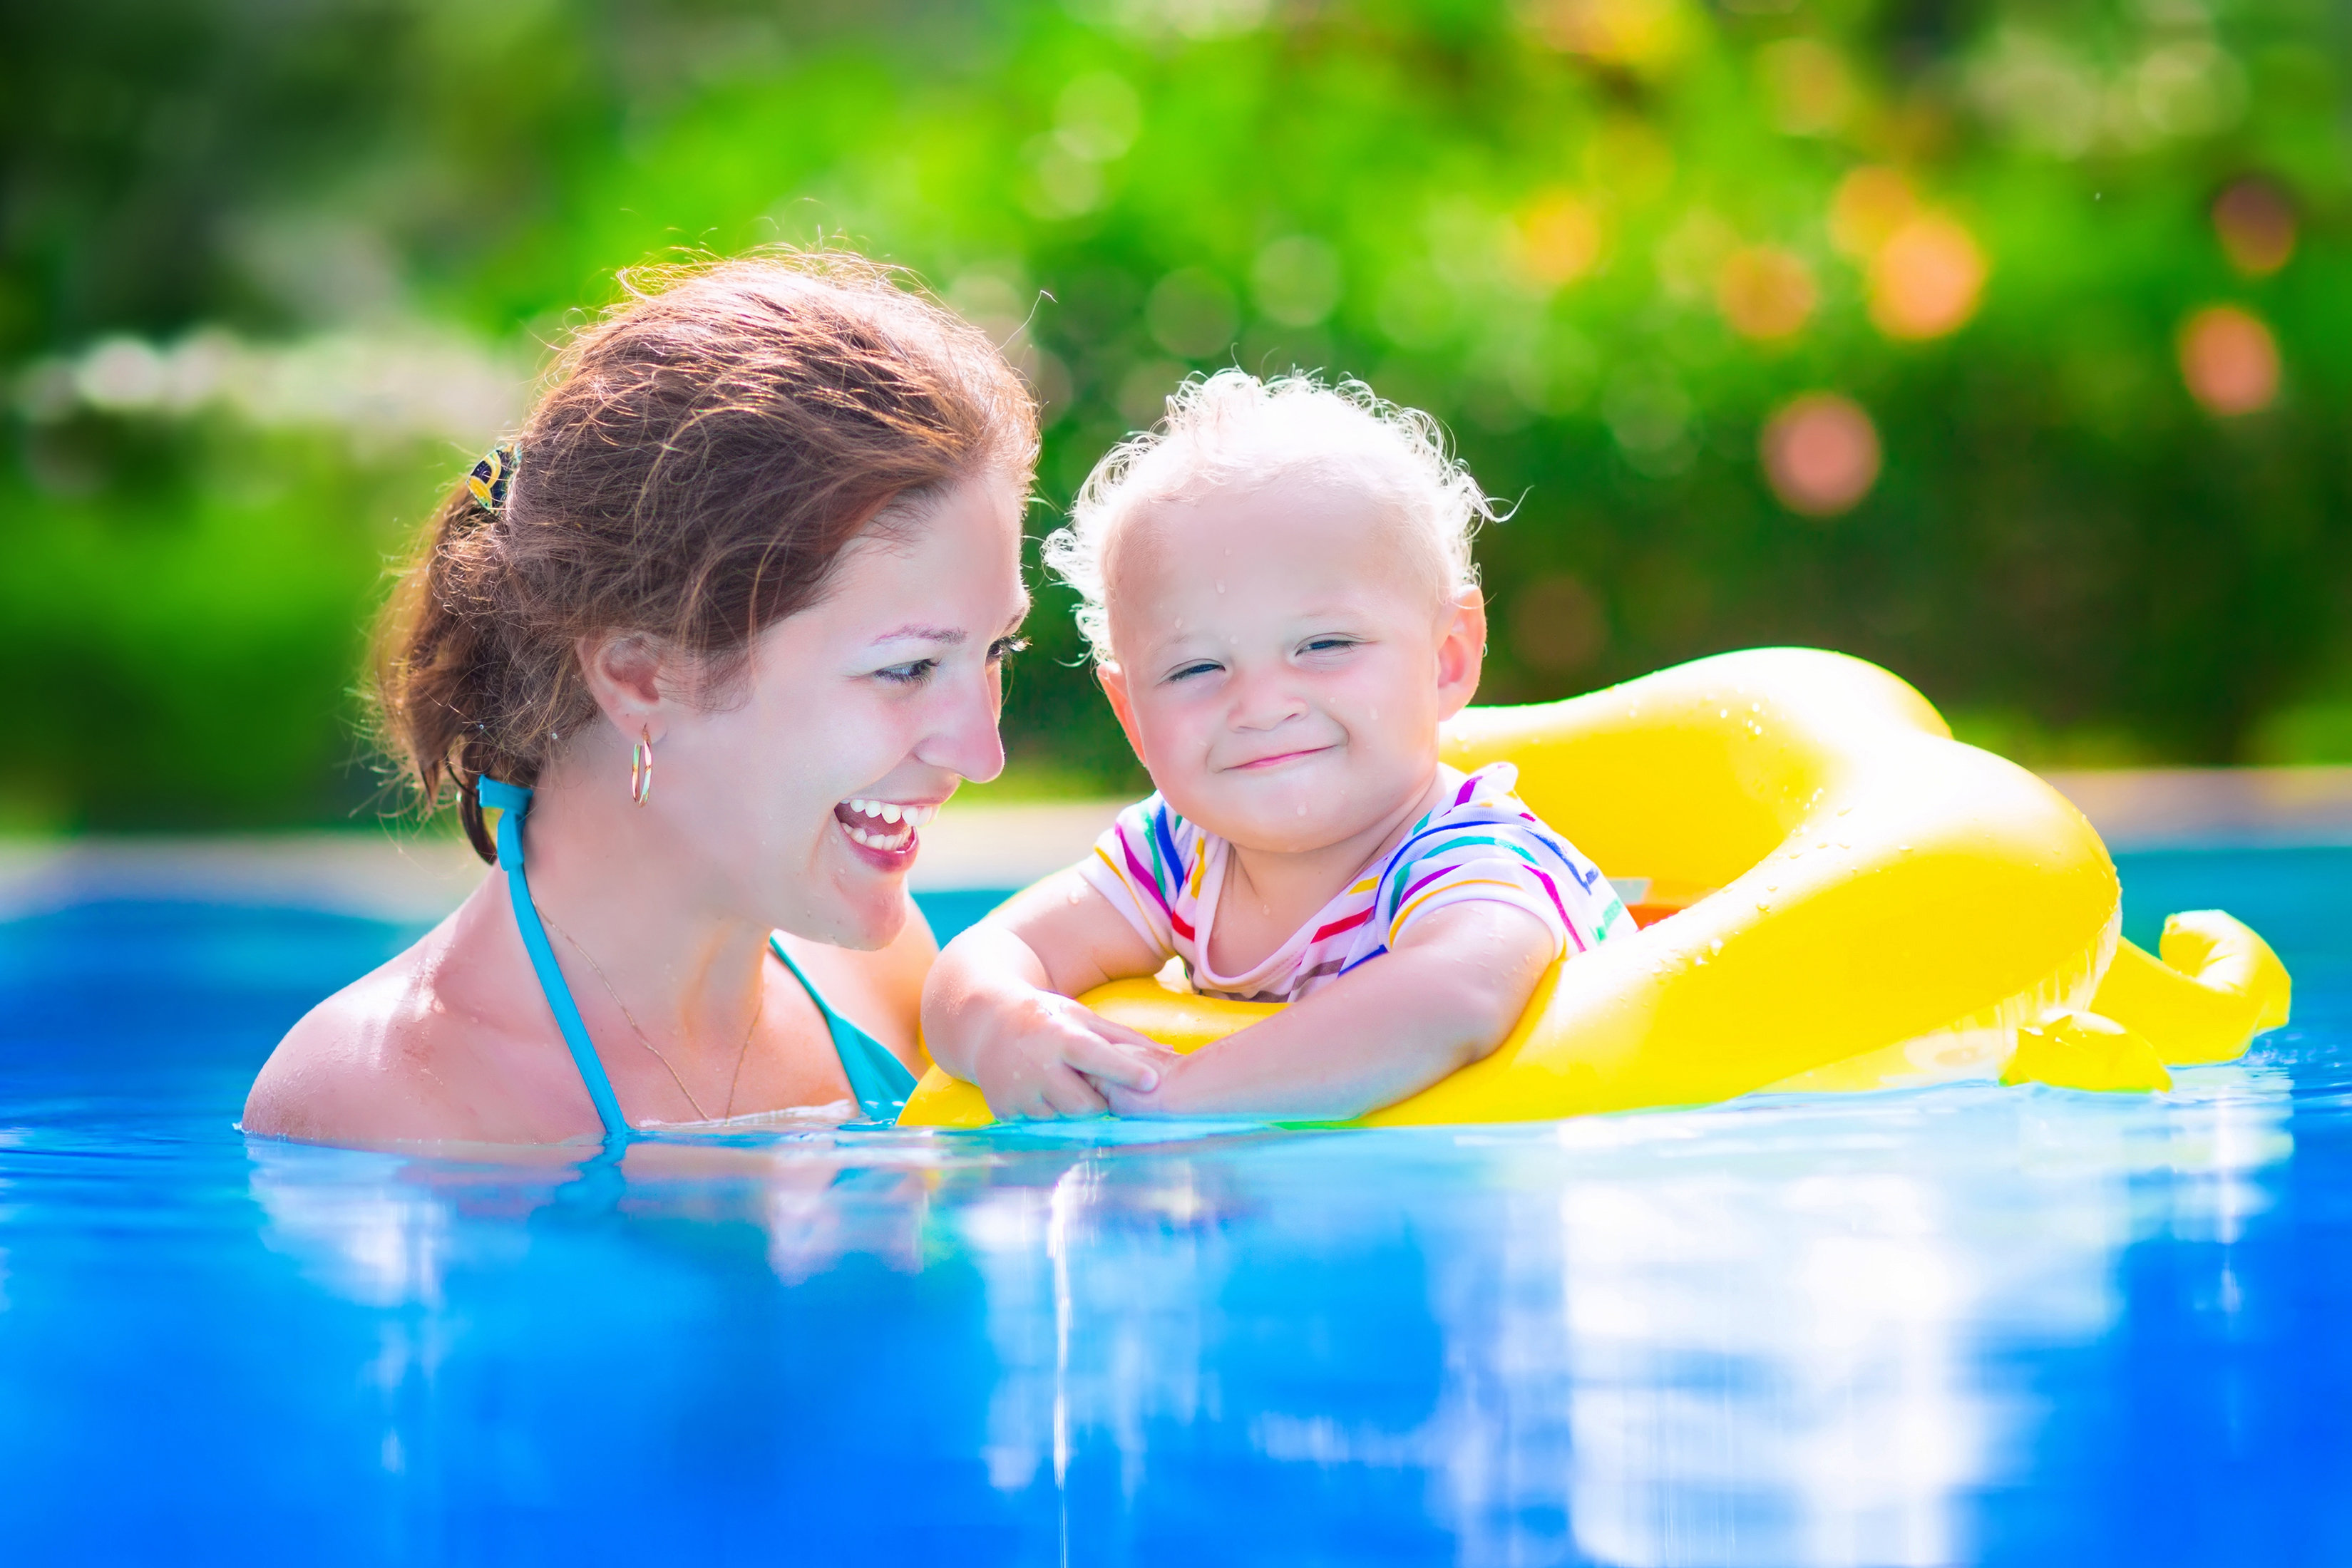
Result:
[
  {"x": 1044, "y": 1055},
  {"x": 1146, "y": 1101}
]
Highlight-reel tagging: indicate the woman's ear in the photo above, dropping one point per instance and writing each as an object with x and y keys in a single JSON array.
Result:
[
  {"x": 630, "y": 678},
  {"x": 1114, "y": 686},
  {"x": 1461, "y": 651}
]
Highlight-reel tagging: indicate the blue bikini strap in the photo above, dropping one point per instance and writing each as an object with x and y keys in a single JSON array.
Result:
[
  {"x": 512, "y": 802},
  {"x": 879, "y": 1080}
]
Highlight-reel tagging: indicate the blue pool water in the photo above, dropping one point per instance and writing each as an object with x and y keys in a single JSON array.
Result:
[{"x": 1965, "y": 1324}]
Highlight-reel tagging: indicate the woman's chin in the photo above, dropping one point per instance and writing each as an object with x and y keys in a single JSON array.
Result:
[{"x": 869, "y": 883}]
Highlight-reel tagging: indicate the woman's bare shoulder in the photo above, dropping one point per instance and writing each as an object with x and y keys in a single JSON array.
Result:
[{"x": 408, "y": 1052}]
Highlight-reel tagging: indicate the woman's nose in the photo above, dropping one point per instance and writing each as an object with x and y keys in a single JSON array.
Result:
[{"x": 963, "y": 737}]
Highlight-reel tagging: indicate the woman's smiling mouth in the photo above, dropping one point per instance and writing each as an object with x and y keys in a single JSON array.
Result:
[{"x": 883, "y": 827}]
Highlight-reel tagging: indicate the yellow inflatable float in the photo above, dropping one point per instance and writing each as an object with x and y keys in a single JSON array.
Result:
[{"x": 1834, "y": 894}]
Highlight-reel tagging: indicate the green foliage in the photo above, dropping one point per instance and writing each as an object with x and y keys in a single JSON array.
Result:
[{"x": 1605, "y": 240}]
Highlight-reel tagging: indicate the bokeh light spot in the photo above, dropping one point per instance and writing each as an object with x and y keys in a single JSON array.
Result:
[
  {"x": 1557, "y": 624},
  {"x": 1821, "y": 453},
  {"x": 1098, "y": 117},
  {"x": 1808, "y": 85},
  {"x": 1560, "y": 238},
  {"x": 1646, "y": 36},
  {"x": 1870, "y": 203},
  {"x": 1061, "y": 185},
  {"x": 1765, "y": 292},
  {"x": 1926, "y": 280},
  {"x": 2256, "y": 224},
  {"x": 1296, "y": 281},
  {"x": 1190, "y": 313},
  {"x": 2230, "y": 361}
]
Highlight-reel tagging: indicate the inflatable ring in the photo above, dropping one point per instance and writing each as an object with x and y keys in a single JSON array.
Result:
[{"x": 1839, "y": 896}]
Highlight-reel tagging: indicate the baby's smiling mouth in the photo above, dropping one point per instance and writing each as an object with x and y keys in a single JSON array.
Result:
[
  {"x": 1255, "y": 763},
  {"x": 886, "y": 825}
]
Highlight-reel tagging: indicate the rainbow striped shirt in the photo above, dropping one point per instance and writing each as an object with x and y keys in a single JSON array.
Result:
[{"x": 1165, "y": 874}]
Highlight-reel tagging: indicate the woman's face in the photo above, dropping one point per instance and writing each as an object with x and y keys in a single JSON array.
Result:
[{"x": 858, "y": 718}]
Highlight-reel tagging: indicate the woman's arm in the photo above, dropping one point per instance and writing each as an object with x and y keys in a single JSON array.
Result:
[
  {"x": 997, "y": 1013},
  {"x": 1449, "y": 992}
]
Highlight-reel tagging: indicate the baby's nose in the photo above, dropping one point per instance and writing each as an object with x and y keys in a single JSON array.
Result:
[{"x": 1264, "y": 703}]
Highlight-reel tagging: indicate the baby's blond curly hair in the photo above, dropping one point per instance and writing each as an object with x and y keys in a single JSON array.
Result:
[{"x": 1232, "y": 428}]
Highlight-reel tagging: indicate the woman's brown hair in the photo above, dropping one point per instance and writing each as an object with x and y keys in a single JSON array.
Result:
[{"x": 702, "y": 456}]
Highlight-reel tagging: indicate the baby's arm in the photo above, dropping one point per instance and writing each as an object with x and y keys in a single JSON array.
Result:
[
  {"x": 997, "y": 1013},
  {"x": 1445, "y": 996}
]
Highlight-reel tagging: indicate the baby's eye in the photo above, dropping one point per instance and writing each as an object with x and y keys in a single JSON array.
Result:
[
  {"x": 1005, "y": 648},
  {"x": 1197, "y": 667},
  {"x": 913, "y": 672},
  {"x": 1329, "y": 644}
]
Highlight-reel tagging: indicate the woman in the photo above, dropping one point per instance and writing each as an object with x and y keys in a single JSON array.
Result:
[{"x": 724, "y": 627}]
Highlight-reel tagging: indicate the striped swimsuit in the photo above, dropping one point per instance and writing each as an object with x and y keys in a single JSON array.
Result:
[{"x": 1165, "y": 874}]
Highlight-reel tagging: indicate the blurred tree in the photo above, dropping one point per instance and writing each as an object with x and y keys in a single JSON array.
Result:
[{"x": 2005, "y": 344}]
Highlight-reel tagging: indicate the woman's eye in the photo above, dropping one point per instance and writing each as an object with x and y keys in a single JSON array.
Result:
[
  {"x": 1005, "y": 648},
  {"x": 913, "y": 673}
]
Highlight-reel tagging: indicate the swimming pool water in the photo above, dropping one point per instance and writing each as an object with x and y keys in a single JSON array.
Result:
[{"x": 1965, "y": 1324}]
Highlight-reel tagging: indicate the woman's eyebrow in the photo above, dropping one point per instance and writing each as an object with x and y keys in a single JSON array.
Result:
[{"x": 951, "y": 635}]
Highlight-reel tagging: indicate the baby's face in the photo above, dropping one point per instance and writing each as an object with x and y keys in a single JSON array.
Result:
[{"x": 1285, "y": 657}]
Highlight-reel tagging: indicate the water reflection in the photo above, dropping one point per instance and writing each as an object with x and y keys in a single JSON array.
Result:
[
  {"x": 383, "y": 1229},
  {"x": 1102, "y": 1281},
  {"x": 356, "y": 1225},
  {"x": 1777, "y": 1334},
  {"x": 1769, "y": 1374},
  {"x": 1781, "y": 1333}
]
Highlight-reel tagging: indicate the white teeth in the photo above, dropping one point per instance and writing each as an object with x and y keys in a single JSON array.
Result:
[
  {"x": 893, "y": 840},
  {"x": 891, "y": 812}
]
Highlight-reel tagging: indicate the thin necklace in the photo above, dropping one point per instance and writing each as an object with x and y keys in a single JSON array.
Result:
[{"x": 646, "y": 1040}]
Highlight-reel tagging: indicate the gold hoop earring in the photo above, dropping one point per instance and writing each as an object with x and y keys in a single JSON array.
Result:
[{"x": 641, "y": 769}]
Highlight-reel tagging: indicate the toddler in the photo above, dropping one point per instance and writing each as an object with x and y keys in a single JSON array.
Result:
[{"x": 1277, "y": 588}]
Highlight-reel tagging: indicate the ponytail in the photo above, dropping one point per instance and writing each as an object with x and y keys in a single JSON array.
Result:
[{"x": 437, "y": 667}]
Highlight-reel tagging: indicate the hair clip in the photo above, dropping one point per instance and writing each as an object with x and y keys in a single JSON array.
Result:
[{"x": 491, "y": 478}]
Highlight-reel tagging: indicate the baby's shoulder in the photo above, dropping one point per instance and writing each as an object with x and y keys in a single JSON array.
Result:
[
  {"x": 1481, "y": 816},
  {"x": 1488, "y": 798},
  {"x": 1157, "y": 828}
]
